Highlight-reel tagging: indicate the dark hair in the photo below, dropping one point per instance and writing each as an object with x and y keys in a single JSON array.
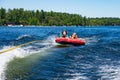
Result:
[{"x": 64, "y": 31}]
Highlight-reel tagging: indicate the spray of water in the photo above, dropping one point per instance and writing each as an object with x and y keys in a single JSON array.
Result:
[
  {"x": 91, "y": 40},
  {"x": 7, "y": 57},
  {"x": 50, "y": 40},
  {"x": 21, "y": 52}
]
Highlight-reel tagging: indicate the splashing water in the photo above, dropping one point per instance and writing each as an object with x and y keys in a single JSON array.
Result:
[
  {"x": 98, "y": 59},
  {"x": 22, "y": 52},
  {"x": 90, "y": 40},
  {"x": 51, "y": 40},
  {"x": 7, "y": 57}
]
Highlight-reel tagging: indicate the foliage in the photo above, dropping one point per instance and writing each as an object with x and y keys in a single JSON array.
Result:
[{"x": 30, "y": 17}]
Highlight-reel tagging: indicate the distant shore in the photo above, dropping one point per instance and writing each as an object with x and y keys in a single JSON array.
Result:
[
  {"x": 55, "y": 26},
  {"x": 23, "y": 17}
]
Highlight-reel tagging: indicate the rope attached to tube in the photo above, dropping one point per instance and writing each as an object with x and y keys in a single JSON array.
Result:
[{"x": 21, "y": 45}]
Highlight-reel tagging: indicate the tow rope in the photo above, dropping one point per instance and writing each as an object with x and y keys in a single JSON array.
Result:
[{"x": 21, "y": 45}]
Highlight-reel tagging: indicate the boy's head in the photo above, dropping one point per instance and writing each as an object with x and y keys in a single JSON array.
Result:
[{"x": 64, "y": 32}]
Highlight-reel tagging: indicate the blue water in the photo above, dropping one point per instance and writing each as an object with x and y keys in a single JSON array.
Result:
[{"x": 99, "y": 59}]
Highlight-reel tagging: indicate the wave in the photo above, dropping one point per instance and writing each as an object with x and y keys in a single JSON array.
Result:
[
  {"x": 77, "y": 76},
  {"x": 7, "y": 57},
  {"x": 109, "y": 72},
  {"x": 22, "y": 52},
  {"x": 23, "y": 36}
]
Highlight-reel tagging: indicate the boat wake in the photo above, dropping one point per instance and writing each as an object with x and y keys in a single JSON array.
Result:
[{"x": 22, "y": 52}]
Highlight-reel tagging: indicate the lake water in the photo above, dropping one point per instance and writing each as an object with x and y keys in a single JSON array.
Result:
[{"x": 99, "y": 59}]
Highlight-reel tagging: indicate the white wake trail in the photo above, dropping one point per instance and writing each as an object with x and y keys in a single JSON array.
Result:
[{"x": 21, "y": 52}]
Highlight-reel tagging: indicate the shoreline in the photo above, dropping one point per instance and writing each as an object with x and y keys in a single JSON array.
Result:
[{"x": 56, "y": 26}]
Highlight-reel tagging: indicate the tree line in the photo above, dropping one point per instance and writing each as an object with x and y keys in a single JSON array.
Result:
[{"x": 42, "y": 18}]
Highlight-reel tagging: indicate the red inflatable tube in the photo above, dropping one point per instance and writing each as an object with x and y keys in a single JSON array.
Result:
[{"x": 70, "y": 41}]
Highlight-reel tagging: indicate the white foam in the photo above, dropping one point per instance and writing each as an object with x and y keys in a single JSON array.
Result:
[
  {"x": 5, "y": 58},
  {"x": 77, "y": 76},
  {"x": 51, "y": 40},
  {"x": 8, "y": 56},
  {"x": 108, "y": 72}
]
